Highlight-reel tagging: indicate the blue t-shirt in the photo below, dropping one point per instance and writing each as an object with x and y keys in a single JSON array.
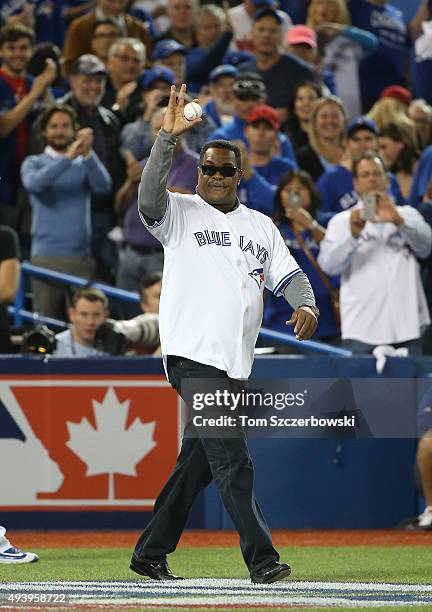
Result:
[
  {"x": 387, "y": 65},
  {"x": 49, "y": 22},
  {"x": 277, "y": 311},
  {"x": 258, "y": 192},
  {"x": 234, "y": 131},
  {"x": 337, "y": 192}
]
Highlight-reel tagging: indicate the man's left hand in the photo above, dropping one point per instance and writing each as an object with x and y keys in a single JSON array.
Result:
[
  {"x": 387, "y": 211},
  {"x": 305, "y": 323}
]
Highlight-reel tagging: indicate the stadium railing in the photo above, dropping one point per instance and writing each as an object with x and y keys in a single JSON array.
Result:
[{"x": 20, "y": 314}]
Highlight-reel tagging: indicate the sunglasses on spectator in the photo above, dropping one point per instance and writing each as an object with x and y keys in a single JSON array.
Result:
[{"x": 226, "y": 171}]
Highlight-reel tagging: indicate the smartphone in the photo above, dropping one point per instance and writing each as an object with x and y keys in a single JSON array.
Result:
[
  {"x": 294, "y": 199},
  {"x": 369, "y": 207}
]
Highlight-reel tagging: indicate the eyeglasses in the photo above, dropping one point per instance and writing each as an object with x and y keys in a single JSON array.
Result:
[
  {"x": 107, "y": 35},
  {"x": 226, "y": 171},
  {"x": 128, "y": 58},
  {"x": 366, "y": 175}
]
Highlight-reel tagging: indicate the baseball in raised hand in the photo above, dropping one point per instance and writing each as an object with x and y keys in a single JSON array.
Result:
[{"x": 174, "y": 121}]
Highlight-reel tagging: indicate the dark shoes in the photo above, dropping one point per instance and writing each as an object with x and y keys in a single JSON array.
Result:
[
  {"x": 273, "y": 572},
  {"x": 157, "y": 570}
]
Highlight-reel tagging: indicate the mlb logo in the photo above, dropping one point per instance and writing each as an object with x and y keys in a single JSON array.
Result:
[{"x": 86, "y": 442}]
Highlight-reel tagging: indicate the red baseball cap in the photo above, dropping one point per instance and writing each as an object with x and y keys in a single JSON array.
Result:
[
  {"x": 263, "y": 112},
  {"x": 395, "y": 91},
  {"x": 299, "y": 34}
]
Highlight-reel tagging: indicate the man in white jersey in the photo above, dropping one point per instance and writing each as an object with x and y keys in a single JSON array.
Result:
[{"x": 219, "y": 255}]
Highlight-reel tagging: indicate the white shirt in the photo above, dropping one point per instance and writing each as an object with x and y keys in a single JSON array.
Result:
[
  {"x": 381, "y": 296},
  {"x": 215, "y": 269}
]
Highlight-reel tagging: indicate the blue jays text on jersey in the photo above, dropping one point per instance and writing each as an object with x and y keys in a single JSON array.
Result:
[{"x": 223, "y": 239}]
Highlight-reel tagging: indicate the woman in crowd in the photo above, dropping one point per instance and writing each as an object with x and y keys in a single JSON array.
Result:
[
  {"x": 296, "y": 203},
  {"x": 300, "y": 112},
  {"x": 392, "y": 107},
  {"x": 400, "y": 152},
  {"x": 327, "y": 136},
  {"x": 421, "y": 113},
  {"x": 342, "y": 47}
]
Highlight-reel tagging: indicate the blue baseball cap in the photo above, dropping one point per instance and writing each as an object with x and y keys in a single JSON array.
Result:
[
  {"x": 235, "y": 58},
  {"x": 265, "y": 2},
  {"x": 158, "y": 73},
  {"x": 222, "y": 70},
  {"x": 165, "y": 48},
  {"x": 362, "y": 123},
  {"x": 267, "y": 10}
]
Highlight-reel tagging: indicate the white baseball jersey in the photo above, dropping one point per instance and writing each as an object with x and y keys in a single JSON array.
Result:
[
  {"x": 216, "y": 267},
  {"x": 381, "y": 296}
]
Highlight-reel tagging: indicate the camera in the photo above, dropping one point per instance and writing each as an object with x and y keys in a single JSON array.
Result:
[{"x": 39, "y": 341}]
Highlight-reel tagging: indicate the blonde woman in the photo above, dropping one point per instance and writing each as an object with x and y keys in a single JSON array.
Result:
[
  {"x": 327, "y": 137},
  {"x": 392, "y": 107},
  {"x": 342, "y": 47}
]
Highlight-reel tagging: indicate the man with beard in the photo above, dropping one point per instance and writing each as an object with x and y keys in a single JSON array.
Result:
[{"x": 60, "y": 182}]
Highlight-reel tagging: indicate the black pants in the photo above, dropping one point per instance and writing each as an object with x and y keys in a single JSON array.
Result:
[{"x": 224, "y": 459}]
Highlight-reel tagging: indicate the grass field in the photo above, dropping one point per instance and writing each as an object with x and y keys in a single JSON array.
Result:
[
  {"x": 352, "y": 564},
  {"x": 344, "y": 564}
]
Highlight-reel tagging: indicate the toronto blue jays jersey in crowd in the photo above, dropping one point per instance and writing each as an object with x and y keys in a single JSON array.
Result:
[
  {"x": 387, "y": 65},
  {"x": 277, "y": 311},
  {"x": 49, "y": 25},
  {"x": 337, "y": 192}
]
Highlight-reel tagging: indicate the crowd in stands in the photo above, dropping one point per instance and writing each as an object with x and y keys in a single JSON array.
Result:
[{"x": 329, "y": 101}]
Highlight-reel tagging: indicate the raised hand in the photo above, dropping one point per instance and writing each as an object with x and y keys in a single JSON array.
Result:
[
  {"x": 174, "y": 122},
  {"x": 45, "y": 78},
  {"x": 133, "y": 167}
]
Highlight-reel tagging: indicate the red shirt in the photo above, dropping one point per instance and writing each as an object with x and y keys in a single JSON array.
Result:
[{"x": 20, "y": 87}]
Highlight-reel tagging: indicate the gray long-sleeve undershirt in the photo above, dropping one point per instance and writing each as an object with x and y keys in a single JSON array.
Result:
[
  {"x": 152, "y": 201},
  {"x": 152, "y": 196}
]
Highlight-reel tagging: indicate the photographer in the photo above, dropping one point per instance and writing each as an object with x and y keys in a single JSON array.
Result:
[{"x": 93, "y": 334}]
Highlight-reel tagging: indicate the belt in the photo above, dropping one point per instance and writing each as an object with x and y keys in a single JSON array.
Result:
[{"x": 143, "y": 250}]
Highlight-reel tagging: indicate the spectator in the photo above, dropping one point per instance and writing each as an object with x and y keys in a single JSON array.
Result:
[
  {"x": 154, "y": 90},
  {"x": 421, "y": 113},
  {"x": 214, "y": 35},
  {"x": 87, "y": 84},
  {"x": 242, "y": 17},
  {"x": 11, "y": 555},
  {"x": 421, "y": 179},
  {"x": 220, "y": 107},
  {"x": 381, "y": 300},
  {"x": 392, "y": 107},
  {"x": 126, "y": 61},
  {"x": 59, "y": 182},
  {"x": 9, "y": 280},
  {"x": 42, "y": 16},
  {"x": 336, "y": 186},
  {"x": 327, "y": 136},
  {"x": 387, "y": 65},
  {"x": 88, "y": 314},
  {"x": 342, "y": 47},
  {"x": 275, "y": 67},
  {"x": 88, "y": 310},
  {"x": 262, "y": 168},
  {"x": 172, "y": 55},
  {"x": 181, "y": 14},
  {"x": 79, "y": 34},
  {"x": 400, "y": 154},
  {"x": 150, "y": 292},
  {"x": 296, "y": 204},
  {"x": 249, "y": 91},
  {"x": 104, "y": 34},
  {"x": 20, "y": 101},
  {"x": 142, "y": 253},
  {"x": 301, "y": 41},
  {"x": 300, "y": 109}
]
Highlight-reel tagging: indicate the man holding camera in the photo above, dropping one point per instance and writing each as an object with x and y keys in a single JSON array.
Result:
[
  {"x": 93, "y": 334},
  {"x": 374, "y": 247}
]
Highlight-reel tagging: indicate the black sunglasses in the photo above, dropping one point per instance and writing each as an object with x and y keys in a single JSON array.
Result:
[{"x": 226, "y": 171}]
